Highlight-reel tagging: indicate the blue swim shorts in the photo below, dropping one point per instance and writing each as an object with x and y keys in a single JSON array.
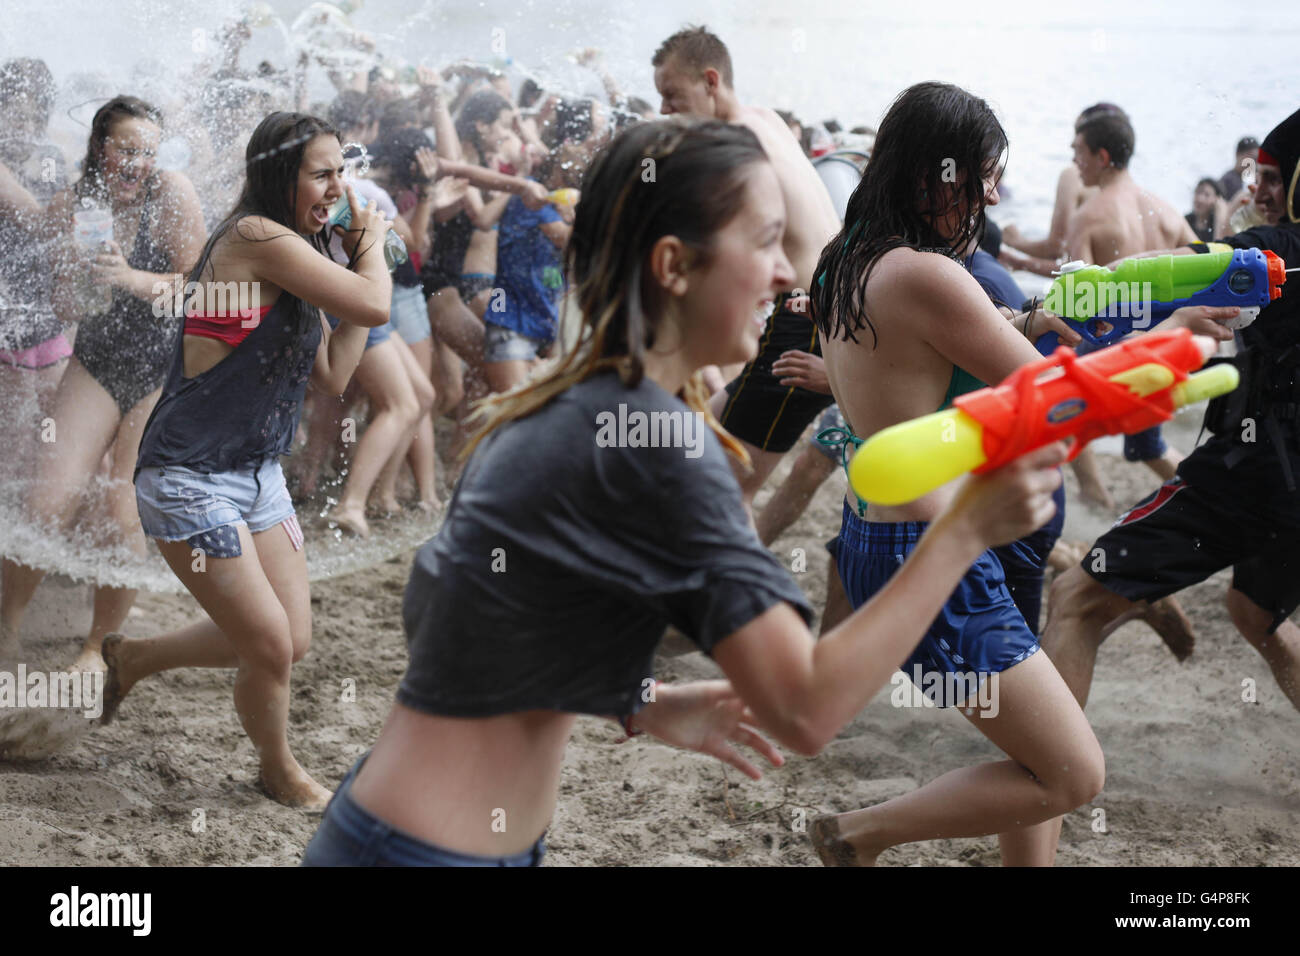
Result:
[{"x": 979, "y": 632}]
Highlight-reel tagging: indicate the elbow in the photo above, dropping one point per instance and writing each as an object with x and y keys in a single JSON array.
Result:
[{"x": 803, "y": 735}]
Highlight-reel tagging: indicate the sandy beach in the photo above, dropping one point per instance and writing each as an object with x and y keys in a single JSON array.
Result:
[{"x": 1195, "y": 776}]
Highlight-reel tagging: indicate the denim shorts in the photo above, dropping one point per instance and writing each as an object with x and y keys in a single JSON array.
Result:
[
  {"x": 504, "y": 345},
  {"x": 179, "y": 504},
  {"x": 353, "y": 836},
  {"x": 374, "y": 336},
  {"x": 408, "y": 314}
]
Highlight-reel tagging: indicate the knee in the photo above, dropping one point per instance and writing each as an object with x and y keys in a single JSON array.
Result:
[
  {"x": 425, "y": 396},
  {"x": 273, "y": 653},
  {"x": 1079, "y": 779},
  {"x": 1254, "y": 623}
]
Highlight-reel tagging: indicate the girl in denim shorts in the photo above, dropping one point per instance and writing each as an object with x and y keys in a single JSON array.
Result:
[{"x": 208, "y": 481}]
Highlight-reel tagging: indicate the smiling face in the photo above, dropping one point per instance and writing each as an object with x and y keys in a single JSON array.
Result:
[
  {"x": 127, "y": 157},
  {"x": 683, "y": 91},
  {"x": 743, "y": 270},
  {"x": 320, "y": 183}
]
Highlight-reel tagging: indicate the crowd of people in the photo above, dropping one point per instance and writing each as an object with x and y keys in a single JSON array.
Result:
[{"x": 183, "y": 343}]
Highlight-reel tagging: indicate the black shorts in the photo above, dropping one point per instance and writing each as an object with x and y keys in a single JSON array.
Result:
[
  {"x": 760, "y": 410},
  {"x": 1185, "y": 532}
]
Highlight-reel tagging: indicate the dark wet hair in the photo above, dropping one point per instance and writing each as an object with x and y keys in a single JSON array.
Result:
[
  {"x": 574, "y": 121},
  {"x": 698, "y": 50},
  {"x": 482, "y": 107},
  {"x": 932, "y": 135},
  {"x": 396, "y": 152},
  {"x": 530, "y": 91},
  {"x": 1212, "y": 183},
  {"x": 1247, "y": 144},
  {"x": 271, "y": 163},
  {"x": 107, "y": 116},
  {"x": 673, "y": 177},
  {"x": 1106, "y": 126}
]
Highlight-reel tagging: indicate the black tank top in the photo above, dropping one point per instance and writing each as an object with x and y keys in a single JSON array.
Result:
[{"x": 246, "y": 407}]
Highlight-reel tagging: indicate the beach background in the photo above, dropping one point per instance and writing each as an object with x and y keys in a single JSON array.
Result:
[{"x": 1195, "y": 774}]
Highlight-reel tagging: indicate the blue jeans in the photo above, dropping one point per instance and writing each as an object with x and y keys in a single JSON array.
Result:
[{"x": 350, "y": 835}]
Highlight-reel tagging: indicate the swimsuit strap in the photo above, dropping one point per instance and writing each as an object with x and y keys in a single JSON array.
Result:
[{"x": 841, "y": 438}]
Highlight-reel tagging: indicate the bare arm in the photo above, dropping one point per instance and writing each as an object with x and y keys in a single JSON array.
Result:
[
  {"x": 804, "y": 692},
  {"x": 285, "y": 259},
  {"x": 17, "y": 204},
  {"x": 557, "y": 232},
  {"x": 338, "y": 357}
]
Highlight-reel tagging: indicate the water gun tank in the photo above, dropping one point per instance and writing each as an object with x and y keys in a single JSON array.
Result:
[{"x": 840, "y": 171}]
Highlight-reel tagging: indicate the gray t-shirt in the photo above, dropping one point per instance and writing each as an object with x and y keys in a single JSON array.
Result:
[{"x": 570, "y": 543}]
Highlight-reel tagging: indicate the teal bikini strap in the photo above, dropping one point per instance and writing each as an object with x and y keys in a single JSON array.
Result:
[{"x": 841, "y": 438}]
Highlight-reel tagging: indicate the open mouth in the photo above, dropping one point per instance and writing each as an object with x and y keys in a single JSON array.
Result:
[
  {"x": 320, "y": 214},
  {"x": 129, "y": 178}
]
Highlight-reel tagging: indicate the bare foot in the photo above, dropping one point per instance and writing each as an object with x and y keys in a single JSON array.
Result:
[
  {"x": 386, "y": 508},
  {"x": 430, "y": 505},
  {"x": 116, "y": 684},
  {"x": 293, "y": 789},
  {"x": 89, "y": 660},
  {"x": 1167, "y": 619},
  {"x": 352, "y": 520},
  {"x": 1096, "y": 495},
  {"x": 833, "y": 847}
]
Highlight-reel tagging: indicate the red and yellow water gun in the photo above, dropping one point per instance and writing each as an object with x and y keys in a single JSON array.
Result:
[{"x": 1125, "y": 388}]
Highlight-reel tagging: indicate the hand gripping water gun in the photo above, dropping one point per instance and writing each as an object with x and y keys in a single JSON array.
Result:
[
  {"x": 1105, "y": 305},
  {"x": 1124, "y": 388}
]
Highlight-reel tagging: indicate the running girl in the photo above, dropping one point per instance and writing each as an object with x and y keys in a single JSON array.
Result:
[
  {"x": 906, "y": 329},
  {"x": 604, "y": 546},
  {"x": 209, "y": 484}
]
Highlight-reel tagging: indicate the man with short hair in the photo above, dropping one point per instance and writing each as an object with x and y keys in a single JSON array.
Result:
[
  {"x": 1120, "y": 221},
  {"x": 1234, "y": 501},
  {"x": 693, "y": 76}
]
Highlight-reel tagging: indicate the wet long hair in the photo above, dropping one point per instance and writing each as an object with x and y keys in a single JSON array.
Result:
[
  {"x": 91, "y": 184},
  {"x": 674, "y": 177},
  {"x": 271, "y": 163},
  {"x": 936, "y": 141},
  {"x": 482, "y": 107}
]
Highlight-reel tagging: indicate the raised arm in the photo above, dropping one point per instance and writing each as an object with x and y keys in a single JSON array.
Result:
[{"x": 284, "y": 259}]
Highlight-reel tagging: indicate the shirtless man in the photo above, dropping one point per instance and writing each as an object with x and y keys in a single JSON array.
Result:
[
  {"x": 1121, "y": 220},
  {"x": 1234, "y": 500},
  {"x": 693, "y": 76},
  {"x": 1042, "y": 256}
]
